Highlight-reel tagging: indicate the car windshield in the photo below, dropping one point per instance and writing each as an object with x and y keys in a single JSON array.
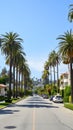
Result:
[{"x": 58, "y": 96}]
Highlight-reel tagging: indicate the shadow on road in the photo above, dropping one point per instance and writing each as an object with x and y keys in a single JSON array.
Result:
[
  {"x": 10, "y": 127},
  {"x": 3, "y": 111},
  {"x": 37, "y": 103},
  {"x": 30, "y": 103},
  {"x": 37, "y": 106}
]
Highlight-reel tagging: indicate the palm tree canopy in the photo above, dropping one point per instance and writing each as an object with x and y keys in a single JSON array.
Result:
[
  {"x": 52, "y": 58},
  {"x": 66, "y": 44},
  {"x": 70, "y": 14},
  {"x": 65, "y": 59},
  {"x": 10, "y": 42},
  {"x": 45, "y": 74},
  {"x": 46, "y": 65}
]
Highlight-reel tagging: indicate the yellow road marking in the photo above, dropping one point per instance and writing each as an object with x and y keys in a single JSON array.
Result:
[{"x": 33, "y": 121}]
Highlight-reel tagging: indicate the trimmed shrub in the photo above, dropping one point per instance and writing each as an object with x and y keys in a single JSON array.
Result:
[
  {"x": 66, "y": 99},
  {"x": 69, "y": 99},
  {"x": 67, "y": 93},
  {"x": 2, "y": 98},
  {"x": 28, "y": 92},
  {"x": 8, "y": 100}
]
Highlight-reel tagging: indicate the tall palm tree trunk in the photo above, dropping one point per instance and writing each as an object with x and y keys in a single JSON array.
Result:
[
  {"x": 21, "y": 85},
  {"x": 71, "y": 77},
  {"x": 48, "y": 75},
  {"x": 19, "y": 82},
  {"x": 10, "y": 78},
  {"x": 48, "y": 79},
  {"x": 54, "y": 75},
  {"x": 25, "y": 84},
  {"x": 14, "y": 80},
  {"x": 57, "y": 78},
  {"x": 51, "y": 75}
]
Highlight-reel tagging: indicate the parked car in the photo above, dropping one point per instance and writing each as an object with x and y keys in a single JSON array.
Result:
[
  {"x": 58, "y": 99},
  {"x": 45, "y": 96},
  {"x": 51, "y": 98}
]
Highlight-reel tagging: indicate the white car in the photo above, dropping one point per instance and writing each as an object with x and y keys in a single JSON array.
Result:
[{"x": 58, "y": 99}]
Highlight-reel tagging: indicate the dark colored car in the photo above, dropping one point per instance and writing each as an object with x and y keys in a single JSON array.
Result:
[
  {"x": 45, "y": 96},
  {"x": 51, "y": 98}
]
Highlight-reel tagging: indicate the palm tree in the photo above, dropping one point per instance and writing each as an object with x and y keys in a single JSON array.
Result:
[
  {"x": 45, "y": 76},
  {"x": 58, "y": 59},
  {"x": 19, "y": 57},
  {"x": 66, "y": 49},
  {"x": 70, "y": 14},
  {"x": 24, "y": 71},
  {"x": 26, "y": 76},
  {"x": 52, "y": 58},
  {"x": 10, "y": 43},
  {"x": 46, "y": 67}
]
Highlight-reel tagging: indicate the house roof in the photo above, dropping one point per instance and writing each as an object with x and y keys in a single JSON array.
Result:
[
  {"x": 3, "y": 86},
  {"x": 64, "y": 74}
]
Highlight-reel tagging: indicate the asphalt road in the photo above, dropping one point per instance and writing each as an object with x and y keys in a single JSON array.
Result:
[{"x": 36, "y": 113}]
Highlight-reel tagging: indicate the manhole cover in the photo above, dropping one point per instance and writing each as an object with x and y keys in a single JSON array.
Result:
[{"x": 10, "y": 127}]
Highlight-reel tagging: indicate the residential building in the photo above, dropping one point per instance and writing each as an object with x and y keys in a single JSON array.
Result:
[
  {"x": 3, "y": 89},
  {"x": 64, "y": 80}
]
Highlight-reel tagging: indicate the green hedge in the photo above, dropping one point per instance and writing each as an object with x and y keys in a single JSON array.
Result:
[
  {"x": 8, "y": 100},
  {"x": 28, "y": 92},
  {"x": 2, "y": 98},
  {"x": 66, "y": 99},
  {"x": 69, "y": 106}
]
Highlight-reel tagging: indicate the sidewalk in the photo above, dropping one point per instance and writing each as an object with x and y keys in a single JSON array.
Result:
[{"x": 65, "y": 115}]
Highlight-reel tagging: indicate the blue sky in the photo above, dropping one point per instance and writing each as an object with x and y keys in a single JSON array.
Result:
[{"x": 39, "y": 23}]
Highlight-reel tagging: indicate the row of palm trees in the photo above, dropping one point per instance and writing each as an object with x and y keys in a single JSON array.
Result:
[
  {"x": 51, "y": 67},
  {"x": 19, "y": 72},
  {"x": 65, "y": 53}
]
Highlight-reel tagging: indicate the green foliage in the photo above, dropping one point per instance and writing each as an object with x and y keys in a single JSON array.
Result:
[
  {"x": 4, "y": 104},
  {"x": 8, "y": 100},
  {"x": 62, "y": 93},
  {"x": 4, "y": 79},
  {"x": 70, "y": 99},
  {"x": 28, "y": 92},
  {"x": 43, "y": 90},
  {"x": 40, "y": 90},
  {"x": 54, "y": 90},
  {"x": 67, "y": 91},
  {"x": 66, "y": 99},
  {"x": 2, "y": 98}
]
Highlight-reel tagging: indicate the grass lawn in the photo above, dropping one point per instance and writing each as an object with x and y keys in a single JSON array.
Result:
[
  {"x": 68, "y": 105},
  {"x": 4, "y": 104}
]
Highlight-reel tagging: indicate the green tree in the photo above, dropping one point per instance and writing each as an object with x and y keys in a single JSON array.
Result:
[
  {"x": 10, "y": 42},
  {"x": 4, "y": 79},
  {"x": 70, "y": 14},
  {"x": 58, "y": 60},
  {"x": 52, "y": 58},
  {"x": 4, "y": 71},
  {"x": 66, "y": 49},
  {"x": 46, "y": 68},
  {"x": 45, "y": 76}
]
